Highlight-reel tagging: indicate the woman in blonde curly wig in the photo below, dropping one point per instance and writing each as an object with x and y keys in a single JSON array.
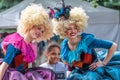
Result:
[
  {"x": 77, "y": 16},
  {"x": 19, "y": 50},
  {"x": 35, "y": 16},
  {"x": 77, "y": 48}
]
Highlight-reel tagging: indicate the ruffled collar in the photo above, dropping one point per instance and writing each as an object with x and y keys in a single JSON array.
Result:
[
  {"x": 74, "y": 55},
  {"x": 28, "y": 50}
]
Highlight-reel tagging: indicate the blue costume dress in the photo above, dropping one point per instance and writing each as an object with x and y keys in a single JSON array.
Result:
[{"x": 79, "y": 59}]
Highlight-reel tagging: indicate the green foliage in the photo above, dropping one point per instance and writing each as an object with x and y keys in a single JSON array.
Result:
[
  {"x": 93, "y": 2},
  {"x": 5, "y": 4},
  {"x": 114, "y": 4}
]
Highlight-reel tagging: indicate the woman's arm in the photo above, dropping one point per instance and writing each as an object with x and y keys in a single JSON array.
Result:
[
  {"x": 110, "y": 53},
  {"x": 10, "y": 54},
  {"x": 111, "y": 50},
  {"x": 3, "y": 68}
]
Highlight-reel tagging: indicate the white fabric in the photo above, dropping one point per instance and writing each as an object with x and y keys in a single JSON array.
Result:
[{"x": 59, "y": 67}]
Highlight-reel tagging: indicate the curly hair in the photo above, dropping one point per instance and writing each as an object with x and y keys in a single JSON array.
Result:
[
  {"x": 35, "y": 15},
  {"x": 77, "y": 16}
]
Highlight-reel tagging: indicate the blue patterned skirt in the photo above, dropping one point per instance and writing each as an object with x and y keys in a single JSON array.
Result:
[{"x": 109, "y": 72}]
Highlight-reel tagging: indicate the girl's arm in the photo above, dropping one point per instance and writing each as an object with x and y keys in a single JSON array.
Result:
[{"x": 3, "y": 68}]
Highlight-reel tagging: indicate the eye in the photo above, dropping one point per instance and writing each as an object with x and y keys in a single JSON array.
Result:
[
  {"x": 69, "y": 29},
  {"x": 39, "y": 28},
  {"x": 42, "y": 31},
  {"x": 75, "y": 28},
  {"x": 53, "y": 53}
]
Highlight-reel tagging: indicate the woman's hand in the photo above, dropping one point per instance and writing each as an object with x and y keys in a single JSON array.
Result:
[
  {"x": 95, "y": 65},
  {"x": 111, "y": 51}
]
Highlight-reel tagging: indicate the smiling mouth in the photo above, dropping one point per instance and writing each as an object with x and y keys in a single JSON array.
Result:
[
  {"x": 73, "y": 34},
  {"x": 37, "y": 35}
]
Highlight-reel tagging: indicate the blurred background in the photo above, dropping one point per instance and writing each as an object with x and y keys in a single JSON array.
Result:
[{"x": 104, "y": 17}]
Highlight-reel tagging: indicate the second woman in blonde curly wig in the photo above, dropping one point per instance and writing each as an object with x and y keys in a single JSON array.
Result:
[
  {"x": 77, "y": 16},
  {"x": 77, "y": 49}
]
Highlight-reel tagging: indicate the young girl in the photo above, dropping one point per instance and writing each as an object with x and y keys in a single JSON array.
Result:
[
  {"x": 52, "y": 53},
  {"x": 19, "y": 49}
]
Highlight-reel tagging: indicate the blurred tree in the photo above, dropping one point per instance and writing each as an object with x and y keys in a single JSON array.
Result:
[
  {"x": 93, "y": 2},
  {"x": 114, "y": 4},
  {"x": 5, "y": 4}
]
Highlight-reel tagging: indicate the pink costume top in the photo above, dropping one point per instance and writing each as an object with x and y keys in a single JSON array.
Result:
[{"x": 28, "y": 50}]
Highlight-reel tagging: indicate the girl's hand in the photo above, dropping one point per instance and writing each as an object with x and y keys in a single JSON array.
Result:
[{"x": 95, "y": 65}]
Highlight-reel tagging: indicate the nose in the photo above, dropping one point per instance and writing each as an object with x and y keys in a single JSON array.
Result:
[
  {"x": 39, "y": 32},
  {"x": 73, "y": 30},
  {"x": 58, "y": 57}
]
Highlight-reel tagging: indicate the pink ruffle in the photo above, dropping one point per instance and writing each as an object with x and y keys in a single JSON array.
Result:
[{"x": 28, "y": 50}]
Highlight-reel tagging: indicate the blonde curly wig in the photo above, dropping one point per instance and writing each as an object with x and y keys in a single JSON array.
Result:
[
  {"x": 77, "y": 16},
  {"x": 35, "y": 15}
]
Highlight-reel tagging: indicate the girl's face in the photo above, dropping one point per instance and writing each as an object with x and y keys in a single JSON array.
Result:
[
  {"x": 72, "y": 31},
  {"x": 37, "y": 31},
  {"x": 53, "y": 55}
]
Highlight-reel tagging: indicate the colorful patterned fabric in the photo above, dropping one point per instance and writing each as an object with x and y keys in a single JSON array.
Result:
[
  {"x": 14, "y": 58},
  {"x": 17, "y": 55},
  {"x": 73, "y": 55},
  {"x": 86, "y": 45},
  {"x": 84, "y": 54},
  {"x": 85, "y": 59},
  {"x": 109, "y": 72},
  {"x": 28, "y": 50},
  {"x": 37, "y": 73}
]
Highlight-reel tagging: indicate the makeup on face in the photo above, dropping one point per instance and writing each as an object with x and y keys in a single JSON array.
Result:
[
  {"x": 71, "y": 31},
  {"x": 37, "y": 31}
]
